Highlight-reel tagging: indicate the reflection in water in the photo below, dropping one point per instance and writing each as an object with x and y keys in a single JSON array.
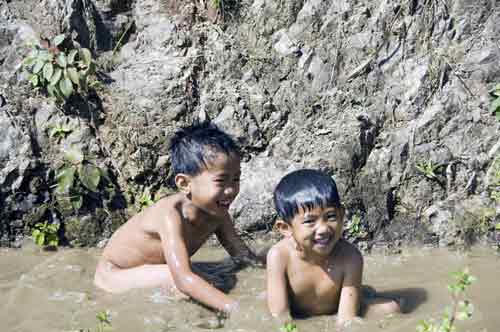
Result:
[{"x": 47, "y": 291}]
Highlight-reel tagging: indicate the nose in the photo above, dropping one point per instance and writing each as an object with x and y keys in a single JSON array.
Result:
[
  {"x": 231, "y": 190},
  {"x": 323, "y": 227}
]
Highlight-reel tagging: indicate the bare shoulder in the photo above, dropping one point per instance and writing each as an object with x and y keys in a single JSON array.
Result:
[
  {"x": 348, "y": 254},
  {"x": 279, "y": 254},
  {"x": 165, "y": 211}
]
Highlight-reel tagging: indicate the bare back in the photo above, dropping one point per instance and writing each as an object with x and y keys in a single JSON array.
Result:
[{"x": 138, "y": 241}]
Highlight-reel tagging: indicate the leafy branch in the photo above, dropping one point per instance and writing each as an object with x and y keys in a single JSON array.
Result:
[
  {"x": 58, "y": 71},
  {"x": 461, "y": 308}
]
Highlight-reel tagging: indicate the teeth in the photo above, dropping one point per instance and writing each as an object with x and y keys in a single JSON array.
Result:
[{"x": 322, "y": 240}]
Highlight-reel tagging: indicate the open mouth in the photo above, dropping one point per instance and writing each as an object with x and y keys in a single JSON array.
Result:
[
  {"x": 322, "y": 241},
  {"x": 224, "y": 203}
]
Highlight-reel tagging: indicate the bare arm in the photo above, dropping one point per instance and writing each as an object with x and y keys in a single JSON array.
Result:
[
  {"x": 234, "y": 245},
  {"x": 277, "y": 291},
  {"x": 177, "y": 257},
  {"x": 350, "y": 294}
]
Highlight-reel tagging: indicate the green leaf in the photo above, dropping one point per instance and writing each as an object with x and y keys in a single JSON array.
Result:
[
  {"x": 40, "y": 239},
  {"x": 38, "y": 66},
  {"x": 495, "y": 105},
  {"x": 66, "y": 87},
  {"x": 71, "y": 56},
  {"x": 28, "y": 61},
  {"x": 33, "y": 79},
  {"x": 48, "y": 70},
  {"x": 58, "y": 40},
  {"x": 73, "y": 75},
  {"x": 495, "y": 89},
  {"x": 65, "y": 180},
  {"x": 90, "y": 176},
  {"x": 86, "y": 56},
  {"x": 76, "y": 201},
  {"x": 56, "y": 76},
  {"x": 74, "y": 155},
  {"x": 52, "y": 90},
  {"x": 61, "y": 60}
]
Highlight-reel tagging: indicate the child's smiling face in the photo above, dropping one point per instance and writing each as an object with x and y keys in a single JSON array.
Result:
[
  {"x": 317, "y": 230},
  {"x": 216, "y": 187}
]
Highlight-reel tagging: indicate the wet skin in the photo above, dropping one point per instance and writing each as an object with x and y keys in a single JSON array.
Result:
[
  {"x": 312, "y": 271},
  {"x": 153, "y": 248}
]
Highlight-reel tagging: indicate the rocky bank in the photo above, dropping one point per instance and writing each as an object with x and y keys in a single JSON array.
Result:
[{"x": 389, "y": 97}]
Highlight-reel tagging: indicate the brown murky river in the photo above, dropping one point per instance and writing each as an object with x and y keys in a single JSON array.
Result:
[{"x": 53, "y": 291}]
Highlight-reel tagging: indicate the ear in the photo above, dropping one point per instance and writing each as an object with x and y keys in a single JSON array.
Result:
[
  {"x": 283, "y": 227},
  {"x": 183, "y": 183}
]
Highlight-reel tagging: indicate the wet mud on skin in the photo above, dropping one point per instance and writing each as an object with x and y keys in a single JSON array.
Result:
[{"x": 53, "y": 291}]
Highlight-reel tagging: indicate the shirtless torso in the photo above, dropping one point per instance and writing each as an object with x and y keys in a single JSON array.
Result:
[
  {"x": 153, "y": 248},
  {"x": 315, "y": 289},
  {"x": 139, "y": 242}
]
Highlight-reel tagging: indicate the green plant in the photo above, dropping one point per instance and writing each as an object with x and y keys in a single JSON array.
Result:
[
  {"x": 146, "y": 199},
  {"x": 428, "y": 169},
  {"x": 59, "y": 71},
  {"x": 103, "y": 323},
  {"x": 461, "y": 308},
  {"x": 495, "y": 195},
  {"x": 495, "y": 101},
  {"x": 59, "y": 131},
  {"x": 355, "y": 225},
  {"x": 74, "y": 178},
  {"x": 289, "y": 327},
  {"x": 45, "y": 234},
  {"x": 215, "y": 3}
]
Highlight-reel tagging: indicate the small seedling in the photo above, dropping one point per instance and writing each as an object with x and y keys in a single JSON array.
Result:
[
  {"x": 495, "y": 101},
  {"x": 59, "y": 131},
  {"x": 461, "y": 309},
  {"x": 145, "y": 200},
  {"x": 104, "y": 321},
  {"x": 428, "y": 169},
  {"x": 60, "y": 72},
  {"x": 289, "y": 327},
  {"x": 46, "y": 234},
  {"x": 355, "y": 226}
]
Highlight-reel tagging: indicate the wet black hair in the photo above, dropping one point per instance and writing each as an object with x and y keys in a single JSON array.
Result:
[
  {"x": 192, "y": 146},
  {"x": 304, "y": 189}
]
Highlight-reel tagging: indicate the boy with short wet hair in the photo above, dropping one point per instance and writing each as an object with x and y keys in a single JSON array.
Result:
[
  {"x": 313, "y": 271},
  {"x": 153, "y": 248}
]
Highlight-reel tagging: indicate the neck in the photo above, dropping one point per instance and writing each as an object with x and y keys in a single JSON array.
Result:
[{"x": 312, "y": 257}]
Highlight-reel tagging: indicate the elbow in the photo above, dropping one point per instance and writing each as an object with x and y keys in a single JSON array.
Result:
[{"x": 184, "y": 284}]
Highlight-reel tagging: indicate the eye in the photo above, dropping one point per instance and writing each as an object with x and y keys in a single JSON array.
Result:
[
  {"x": 332, "y": 217},
  {"x": 308, "y": 221}
]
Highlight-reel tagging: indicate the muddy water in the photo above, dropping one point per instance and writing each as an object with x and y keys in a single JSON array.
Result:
[{"x": 53, "y": 291}]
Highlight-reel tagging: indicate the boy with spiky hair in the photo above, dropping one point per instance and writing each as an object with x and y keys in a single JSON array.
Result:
[
  {"x": 153, "y": 248},
  {"x": 313, "y": 271}
]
